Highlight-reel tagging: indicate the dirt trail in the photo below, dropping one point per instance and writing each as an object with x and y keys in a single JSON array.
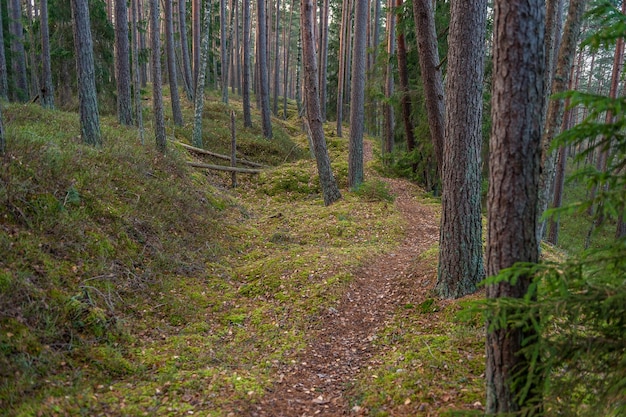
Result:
[{"x": 341, "y": 348}]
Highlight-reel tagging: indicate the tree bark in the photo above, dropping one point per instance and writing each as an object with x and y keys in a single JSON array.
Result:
[
  {"x": 223, "y": 51},
  {"x": 87, "y": 99},
  {"x": 47, "y": 88},
  {"x": 196, "y": 10},
  {"x": 287, "y": 50},
  {"x": 247, "y": 120},
  {"x": 323, "y": 58},
  {"x": 554, "y": 118},
  {"x": 184, "y": 48},
  {"x": 171, "y": 63},
  {"x": 403, "y": 75},
  {"x": 157, "y": 93},
  {"x": 388, "y": 116},
  {"x": 514, "y": 161},
  {"x": 355, "y": 147},
  {"x": 136, "y": 71},
  {"x": 17, "y": 49},
  {"x": 343, "y": 41},
  {"x": 122, "y": 64},
  {"x": 276, "y": 58},
  {"x": 431, "y": 74},
  {"x": 264, "y": 86},
  {"x": 328, "y": 184},
  {"x": 461, "y": 265},
  {"x": 196, "y": 138}
]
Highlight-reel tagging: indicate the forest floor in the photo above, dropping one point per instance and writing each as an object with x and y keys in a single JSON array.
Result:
[
  {"x": 341, "y": 345},
  {"x": 132, "y": 284}
]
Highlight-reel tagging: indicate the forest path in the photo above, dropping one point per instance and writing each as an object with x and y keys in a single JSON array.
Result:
[{"x": 341, "y": 348}]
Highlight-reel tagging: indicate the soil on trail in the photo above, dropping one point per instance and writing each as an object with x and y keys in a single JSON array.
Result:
[{"x": 341, "y": 345}]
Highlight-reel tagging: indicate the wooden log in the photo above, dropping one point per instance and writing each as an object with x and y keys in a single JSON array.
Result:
[
  {"x": 224, "y": 168},
  {"x": 217, "y": 155}
]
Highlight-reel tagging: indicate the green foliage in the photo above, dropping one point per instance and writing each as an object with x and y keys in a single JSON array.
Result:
[{"x": 374, "y": 190}]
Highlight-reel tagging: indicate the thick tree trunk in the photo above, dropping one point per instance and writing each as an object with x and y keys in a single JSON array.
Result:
[
  {"x": 403, "y": 75},
  {"x": 247, "y": 120},
  {"x": 313, "y": 112},
  {"x": 431, "y": 73},
  {"x": 122, "y": 64},
  {"x": 554, "y": 119},
  {"x": 4, "y": 79},
  {"x": 171, "y": 63},
  {"x": 388, "y": 116},
  {"x": 87, "y": 99},
  {"x": 357, "y": 98},
  {"x": 47, "y": 88},
  {"x": 461, "y": 265},
  {"x": 514, "y": 161},
  {"x": 264, "y": 85},
  {"x": 184, "y": 48},
  {"x": 157, "y": 93},
  {"x": 323, "y": 58},
  {"x": 196, "y": 138},
  {"x": 17, "y": 49}
]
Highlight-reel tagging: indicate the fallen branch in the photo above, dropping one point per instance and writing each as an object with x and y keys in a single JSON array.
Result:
[
  {"x": 217, "y": 155},
  {"x": 224, "y": 168}
]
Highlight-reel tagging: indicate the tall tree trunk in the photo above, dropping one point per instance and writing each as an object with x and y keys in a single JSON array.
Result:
[
  {"x": 431, "y": 73},
  {"x": 247, "y": 120},
  {"x": 122, "y": 64},
  {"x": 32, "y": 64},
  {"x": 355, "y": 148},
  {"x": 136, "y": 72},
  {"x": 196, "y": 139},
  {"x": 403, "y": 75},
  {"x": 313, "y": 111},
  {"x": 461, "y": 265},
  {"x": 388, "y": 116},
  {"x": 343, "y": 39},
  {"x": 171, "y": 63},
  {"x": 17, "y": 49},
  {"x": 514, "y": 161},
  {"x": 157, "y": 93},
  {"x": 276, "y": 59},
  {"x": 239, "y": 71},
  {"x": 223, "y": 51},
  {"x": 4, "y": 79},
  {"x": 142, "y": 41},
  {"x": 196, "y": 9},
  {"x": 264, "y": 85},
  {"x": 184, "y": 48},
  {"x": 323, "y": 58},
  {"x": 554, "y": 119},
  {"x": 47, "y": 88},
  {"x": 287, "y": 50},
  {"x": 87, "y": 99}
]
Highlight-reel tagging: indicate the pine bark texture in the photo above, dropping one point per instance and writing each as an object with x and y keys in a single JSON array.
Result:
[
  {"x": 330, "y": 190},
  {"x": 122, "y": 64},
  {"x": 17, "y": 51},
  {"x": 357, "y": 97},
  {"x": 157, "y": 92},
  {"x": 276, "y": 58},
  {"x": 223, "y": 52},
  {"x": 424, "y": 16},
  {"x": 403, "y": 76},
  {"x": 171, "y": 63},
  {"x": 344, "y": 40},
  {"x": 136, "y": 71},
  {"x": 264, "y": 84},
  {"x": 47, "y": 88},
  {"x": 196, "y": 138},
  {"x": 556, "y": 107},
  {"x": 461, "y": 265},
  {"x": 517, "y": 111},
  {"x": 196, "y": 10},
  {"x": 87, "y": 98},
  {"x": 247, "y": 119},
  {"x": 323, "y": 58}
]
